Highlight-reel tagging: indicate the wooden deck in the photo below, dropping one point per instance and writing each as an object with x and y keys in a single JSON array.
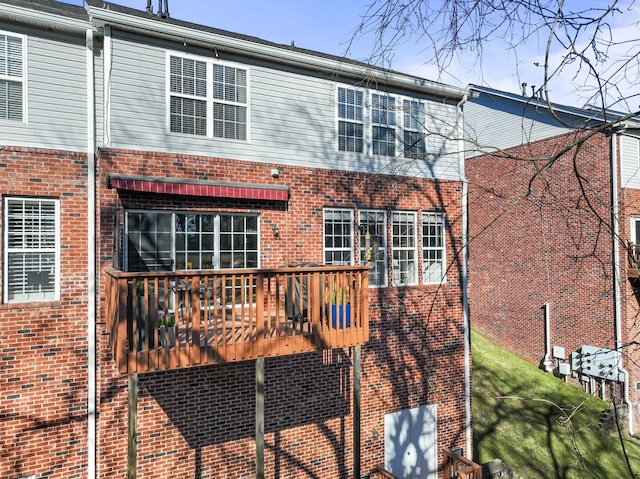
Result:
[{"x": 232, "y": 315}]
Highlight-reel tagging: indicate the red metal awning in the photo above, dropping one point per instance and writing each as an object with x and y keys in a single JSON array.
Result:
[{"x": 217, "y": 189}]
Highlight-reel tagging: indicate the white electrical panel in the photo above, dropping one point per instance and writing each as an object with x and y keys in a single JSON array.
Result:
[{"x": 596, "y": 362}]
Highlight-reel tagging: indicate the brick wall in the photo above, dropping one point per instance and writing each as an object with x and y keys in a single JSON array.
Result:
[
  {"x": 542, "y": 234},
  {"x": 43, "y": 346},
  {"x": 201, "y": 421}
]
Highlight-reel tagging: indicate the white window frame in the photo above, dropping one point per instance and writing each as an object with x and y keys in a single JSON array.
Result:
[
  {"x": 356, "y": 119},
  {"x": 413, "y": 122},
  {"x": 634, "y": 222},
  {"x": 337, "y": 249},
  {"x": 438, "y": 249},
  {"x": 404, "y": 276},
  {"x": 208, "y": 97},
  {"x": 22, "y": 79},
  {"x": 403, "y": 120},
  {"x": 54, "y": 251},
  {"x": 366, "y": 245},
  {"x": 217, "y": 250},
  {"x": 386, "y": 106}
]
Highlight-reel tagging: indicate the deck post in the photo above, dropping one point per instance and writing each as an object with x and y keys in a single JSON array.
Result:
[
  {"x": 132, "y": 427},
  {"x": 357, "y": 376},
  {"x": 260, "y": 418}
]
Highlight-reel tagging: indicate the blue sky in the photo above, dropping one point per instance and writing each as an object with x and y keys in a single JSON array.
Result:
[{"x": 328, "y": 26}]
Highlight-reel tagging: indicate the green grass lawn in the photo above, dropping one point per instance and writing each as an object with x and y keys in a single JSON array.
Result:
[{"x": 539, "y": 425}]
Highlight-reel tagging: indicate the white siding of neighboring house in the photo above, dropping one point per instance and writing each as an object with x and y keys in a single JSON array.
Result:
[{"x": 629, "y": 162}]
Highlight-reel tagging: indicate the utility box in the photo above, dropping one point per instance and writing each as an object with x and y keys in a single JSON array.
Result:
[{"x": 596, "y": 362}]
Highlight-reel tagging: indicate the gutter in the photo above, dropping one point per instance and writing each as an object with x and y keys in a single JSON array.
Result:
[
  {"x": 334, "y": 66},
  {"x": 91, "y": 262},
  {"x": 43, "y": 20},
  {"x": 465, "y": 278},
  {"x": 616, "y": 277}
]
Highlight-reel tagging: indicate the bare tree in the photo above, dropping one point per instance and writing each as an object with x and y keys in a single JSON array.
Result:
[{"x": 578, "y": 42}]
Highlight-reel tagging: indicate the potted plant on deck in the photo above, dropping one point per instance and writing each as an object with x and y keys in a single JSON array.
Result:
[
  {"x": 167, "y": 324},
  {"x": 339, "y": 307}
]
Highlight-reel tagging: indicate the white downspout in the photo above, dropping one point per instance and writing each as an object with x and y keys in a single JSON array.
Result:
[
  {"x": 616, "y": 276},
  {"x": 465, "y": 279},
  {"x": 91, "y": 263},
  {"x": 547, "y": 361}
]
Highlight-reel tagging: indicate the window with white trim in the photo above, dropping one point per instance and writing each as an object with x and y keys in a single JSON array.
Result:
[
  {"x": 208, "y": 98},
  {"x": 634, "y": 236},
  {"x": 350, "y": 120},
  {"x": 32, "y": 249},
  {"x": 383, "y": 122},
  {"x": 12, "y": 73},
  {"x": 338, "y": 236},
  {"x": 167, "y": 241},
  {"x": 433, "y": 250},
  {"x": 403, "y": 246},
  {"x": 372, "y": 240},
  {"x": 413, "y": 122}
]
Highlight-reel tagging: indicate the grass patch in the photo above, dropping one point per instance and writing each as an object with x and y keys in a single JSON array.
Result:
[{"x": 539, "y": 425}]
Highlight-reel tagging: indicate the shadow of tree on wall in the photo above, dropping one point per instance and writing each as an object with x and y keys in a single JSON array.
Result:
[{"x": 417, "y": 334}]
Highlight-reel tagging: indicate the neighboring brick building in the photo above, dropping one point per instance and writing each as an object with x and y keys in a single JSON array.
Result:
[
  {"x": 156, "y": 170},
  {"x": 549, "y": 225}
]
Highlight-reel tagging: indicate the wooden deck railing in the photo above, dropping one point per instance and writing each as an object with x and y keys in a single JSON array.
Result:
[
  {"x": 459, "y": 467},
  {"x": 169, "y": 320}
]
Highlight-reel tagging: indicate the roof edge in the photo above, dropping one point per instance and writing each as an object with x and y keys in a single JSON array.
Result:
[{"x": 278, "y": 53}]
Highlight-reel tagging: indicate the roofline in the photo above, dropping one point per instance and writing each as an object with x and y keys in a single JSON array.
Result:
[
  {"x": 43, "y": 19},
  {"x": 245, "y": 47},
  {"x": 595, "y": 115}
]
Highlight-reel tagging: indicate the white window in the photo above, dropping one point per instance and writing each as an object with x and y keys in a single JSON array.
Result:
[
  {"x": 634, "y": 239},
  {"x": 338, "y": 236},
  {"x": 403, "y": 235},
  {"x": 12, "y": 82},
  {"x": 164, "y": 241},
  {"x": 208, "y": 99},
  {"x": 32, "y": 249},
  {"x": 635, "y": 230},
  {"x": 383, "y": 122},
  {"x": 433, "y": 251},
  {"x": 413, "y": 122},
  {"x": 350, "y": 120},
  {"x": 372, "y": 239}
]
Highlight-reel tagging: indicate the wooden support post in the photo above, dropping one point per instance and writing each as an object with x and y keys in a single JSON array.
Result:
[
  {"x": 132, "y": 428},
  {"x": 260, "y": 418},
  {"x": 357, "y": 376}
]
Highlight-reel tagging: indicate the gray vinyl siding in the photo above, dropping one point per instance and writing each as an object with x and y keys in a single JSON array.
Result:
[
  {"x": 629, "y": 162},
  {"x": 493, "y": 123},
  {"x": 56, "y": 95},
  {"x": 292, "y": 116}
]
